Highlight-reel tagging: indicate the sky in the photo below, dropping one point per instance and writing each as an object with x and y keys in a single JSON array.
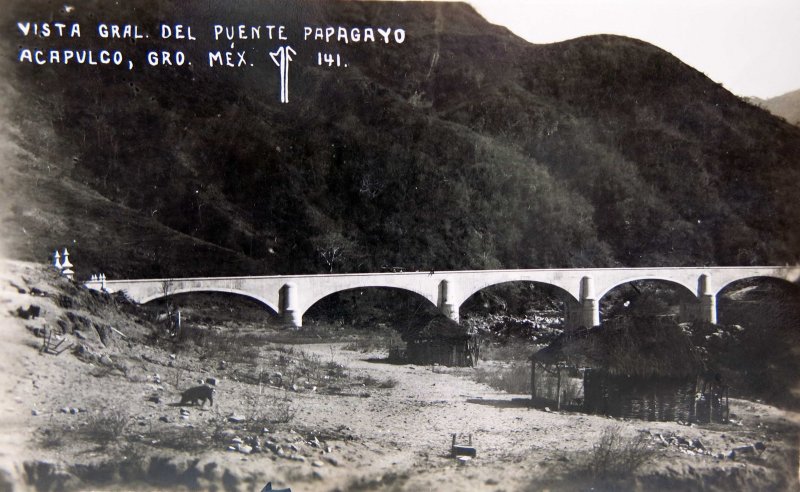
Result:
[{"x": 749, "y": 46}]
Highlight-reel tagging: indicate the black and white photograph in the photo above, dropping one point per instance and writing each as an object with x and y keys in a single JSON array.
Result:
[{"x": 346, "y": 245}]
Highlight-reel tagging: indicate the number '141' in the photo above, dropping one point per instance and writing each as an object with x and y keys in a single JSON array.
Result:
[{"x": 329, "y": 59}]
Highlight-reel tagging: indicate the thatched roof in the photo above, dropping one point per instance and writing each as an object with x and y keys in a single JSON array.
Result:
[
  {"x": 426, "y": 327},
  {"x": 636, "y": 346}
]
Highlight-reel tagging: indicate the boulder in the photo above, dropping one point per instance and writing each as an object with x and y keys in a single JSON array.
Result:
[{"x": 33, "y": 311}]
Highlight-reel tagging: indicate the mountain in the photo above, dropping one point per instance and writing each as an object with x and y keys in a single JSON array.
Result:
[
  {"x": 461, "y": 147},
  {"x": 787, "y": 106}
]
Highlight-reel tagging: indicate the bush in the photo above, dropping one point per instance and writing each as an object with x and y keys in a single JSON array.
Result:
[
  {"x": 187, "y": 439},
  {"x": 616, "y": 456},
  {"x": 389, "y": 383},
  {"x": 380, "y": 340},
  {"x": 514, "y": 378},
  {"x": 370, "y": 381},
  {"x": 511, "y": 352},
  {"x": 267, "y": 411},
  {"x": 106, "y": 428},
  {"x": 52, "y": 437}
]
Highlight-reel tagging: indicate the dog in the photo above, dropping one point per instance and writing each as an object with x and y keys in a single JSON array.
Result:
[{"x": 198, "y": 396}]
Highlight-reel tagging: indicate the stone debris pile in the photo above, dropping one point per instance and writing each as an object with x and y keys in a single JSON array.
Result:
[{"x": 696, "y": 447}]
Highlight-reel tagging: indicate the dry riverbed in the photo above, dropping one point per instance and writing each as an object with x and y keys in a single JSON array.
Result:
[{"x": 316, "y": 417}]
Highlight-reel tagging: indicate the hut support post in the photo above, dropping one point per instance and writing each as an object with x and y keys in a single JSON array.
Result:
[
  {"x": 728, "y": 413},
  {"x": 558, "y": 387},
  {"x": 533, "y": 380}
]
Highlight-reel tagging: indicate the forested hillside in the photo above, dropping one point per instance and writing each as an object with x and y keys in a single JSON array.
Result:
[{"x": 463, "y": 147}]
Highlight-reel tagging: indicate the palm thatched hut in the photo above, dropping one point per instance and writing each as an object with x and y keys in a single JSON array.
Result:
[
  {"x": 650, "y": 368},
  {"x": 439, "y": 340}
]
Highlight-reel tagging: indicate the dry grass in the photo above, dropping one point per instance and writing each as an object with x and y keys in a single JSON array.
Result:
[
  {"x": 514, "y": 378},
  {"x": 52, "y": 437},
  {"x": 103, "y": 430},
  {"x": 511, "y": 352},
  {"x": 610, "y": 465},
  {"x": 267, "y": 411},
  {"x": 380, "y": 340},
  {"x": 188, "y": 439},
  {"x": 370, "y": 381},
  {"x": 106, "y": 428},
  {"x": 616, "y": 456}
]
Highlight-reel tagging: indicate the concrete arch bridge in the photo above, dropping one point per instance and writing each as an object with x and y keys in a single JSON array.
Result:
[{"x": 292, "y": 295}]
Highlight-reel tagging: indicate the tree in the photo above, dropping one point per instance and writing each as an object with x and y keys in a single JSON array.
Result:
[
  {"x": 333, "y": 248},
  {"x": 173, "y": 314}
]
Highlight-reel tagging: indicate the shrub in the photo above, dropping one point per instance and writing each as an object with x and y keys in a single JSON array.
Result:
[
  {"x": 105, "y": 429},
  {"x": 370, "y": 381},
  {"x": 514, "y": 378},
  {"x": 617, "y": 456},
  {"x": 52, "y": 437},
  {"x": 379, "y": 340},
  {"x": 268, "y": 410},
  {"x": 389, "y": 383},
  {"x": 511, "y": 352},
  {"x": 188, "y": 439}
]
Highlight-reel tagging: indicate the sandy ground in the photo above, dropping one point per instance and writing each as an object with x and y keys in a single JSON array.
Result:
[
  {"x": 17, "y": 376},
  {"x": 395, "y": 438}
]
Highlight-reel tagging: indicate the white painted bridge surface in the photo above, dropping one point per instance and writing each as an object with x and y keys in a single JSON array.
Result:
[{"x": 292, "y": 295}]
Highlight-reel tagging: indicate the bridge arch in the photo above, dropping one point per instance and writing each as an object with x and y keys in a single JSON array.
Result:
[
  {"x": 410, "y": 293},
  {"x": 532, "y": 296},
  {"x": 474, "y": 289},
  {"x": 242, "y": 293},
  {"x": 672, "y": 295},
  {"x": 556, "y": 290},
  {"x": 775, "y": 279},
  {"x": 310, "y": 300},
  {"x": 691, "y": 287}
]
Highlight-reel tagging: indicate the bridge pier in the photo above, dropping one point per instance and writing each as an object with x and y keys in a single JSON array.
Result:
[
  {"x": 444, "y": 303},
  {"x": 708, "y": 302},
  {"x": 590, "y": 308},
  {"x": 288, "y": 305}
]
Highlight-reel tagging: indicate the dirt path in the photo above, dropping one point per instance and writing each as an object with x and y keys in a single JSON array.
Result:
[{"x": 410, "y": 426}]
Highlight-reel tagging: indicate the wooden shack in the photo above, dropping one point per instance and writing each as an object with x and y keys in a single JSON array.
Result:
[{"x": 649, "y": 368}]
